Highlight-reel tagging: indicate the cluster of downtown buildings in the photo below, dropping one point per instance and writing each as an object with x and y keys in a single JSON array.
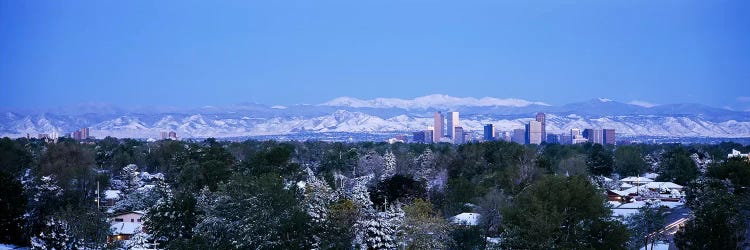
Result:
[
  {"x": 79, "y": 135},
  {"x": 447, "y": 129}
]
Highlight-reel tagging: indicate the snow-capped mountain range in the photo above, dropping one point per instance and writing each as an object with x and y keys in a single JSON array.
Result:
[{"x": 346, "y": 114}]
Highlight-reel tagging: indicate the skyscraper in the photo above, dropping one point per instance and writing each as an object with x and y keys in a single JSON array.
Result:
[
  {"x": 418, "y": 137},
  {"x": 489, "y": 132},
  {"x": 84, "y": 133},
  {"x": 437, "y": 132},
  {"x": 588, "y": 134},
  {"x": 519, "y": 136},
  {"x": 541, "y": 117},
  {"x": 428, "y": 136},
  {"x": 452, "y": 123},
  {"x": 458, "y": 135},
  {"x": 609, "y": 136},
  {"x": 596, "y": 137},
  {"x": 534, "y": 132}
]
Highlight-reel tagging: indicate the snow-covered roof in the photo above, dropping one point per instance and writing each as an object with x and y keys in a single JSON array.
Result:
[
  {"x": 636, "y": 179},
  {"x": 660, "y": 185},
  {"x": 632, "y": 205},
  {"x": 607, "y": 179},
  {"x": 130, "y": 212},
  {"x": 625, "y": 185},
  {"x": 125, "y": 228},
  {"x": 652, "y": 176},
  {"x": 614, "y": 203},
  {"x": 112, "y": 194},
  {"x": 617, "y": 212},
  {"x": 470, "y": 219}
]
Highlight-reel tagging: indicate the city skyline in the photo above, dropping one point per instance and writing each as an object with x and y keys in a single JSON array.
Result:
[{"x": 149, "y": 53}]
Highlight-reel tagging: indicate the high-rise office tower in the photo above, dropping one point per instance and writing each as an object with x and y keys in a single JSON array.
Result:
[
  {"x": 489, "y": 132},
  {"x": 588, "y": 134},
  {"x": 541, "y": 117},
  {"x": 596, "y": 137},
  {"x": 519, "y": 136},
  {"x": 609, "y": 136},
  {"x": 452, "y": 123},
  {"x": 418, "y": 137},
  {"x": 437, "y": 132},
  {"x": 458, "y": 135},
  {"x": 428, "y": 136},
  {"x": 84, "y": 133},
  {"x": 534, "y": 132}
]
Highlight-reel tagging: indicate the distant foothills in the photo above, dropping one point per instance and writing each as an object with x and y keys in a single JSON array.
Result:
[{"x": 361, "y": 119}]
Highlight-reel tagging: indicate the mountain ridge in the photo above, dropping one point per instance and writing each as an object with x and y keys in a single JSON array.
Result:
[{"x": 381, "y": 115}]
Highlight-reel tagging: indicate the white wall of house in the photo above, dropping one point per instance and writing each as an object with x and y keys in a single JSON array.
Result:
[{"x": 129, "y": 217}]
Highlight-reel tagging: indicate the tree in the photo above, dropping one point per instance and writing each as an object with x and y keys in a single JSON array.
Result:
[
  {"x": 43, "y": 200},
  {"x": 379, "y": 230},
  {"x": 560, "y": 212},
  {"x": 645, "y": 225},
  {"x": 129, "y": 176},
  {"x": 13, "y": 157},
  {"x": 424, "y": 228},
  {"x": 677, "y": 166},
  {"x": 629, "y": 161},
  {"x": 600, "y": 161},
  {"x": 718, "y": 221},
  {"x": 55, "y": 236},
  {"x": 12, "y": 208},
  {"x": 397, "y": 188},
  {"x": 734, "y": 169},
  {"x": 255, "y": 212},
  {"x": 338, "y": 232},
  {"x": 389, "y": 165},
  {"x": 490, "y": 207},
  {"x": 172, "y": 219},
  {"x": 573, "y": 165}
]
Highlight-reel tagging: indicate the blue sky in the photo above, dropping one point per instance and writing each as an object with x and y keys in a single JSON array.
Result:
[{"x": 195, "y": 53}]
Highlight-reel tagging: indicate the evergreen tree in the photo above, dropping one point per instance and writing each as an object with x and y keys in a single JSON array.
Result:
[
  {"x": 629, "y": 161},
  {"x": 677, "y": 166},
  {"x": 55, "y": 236},
  {"x": 389, "y": 165},
  {"x": 12, "y": 208},
  {"x": 718, "y": 223},
  {"x": 600, "y": 161}
]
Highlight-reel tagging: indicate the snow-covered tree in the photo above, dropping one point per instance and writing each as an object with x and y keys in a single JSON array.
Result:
[
  {"x": 55, "y": 235},
  {"x": 425, "y": 165},
  {"x": 44, "y": 198},
  {"x": 380, "y": 230},
  {"x": 389, "y": 165},
  {"x": 317, "y": 197},
  {"x": 359, "y": 193},
  {"x": 370, "y": 163},
  {"x": 139, "y": 240},
  {"x": 130, "y": 177}
]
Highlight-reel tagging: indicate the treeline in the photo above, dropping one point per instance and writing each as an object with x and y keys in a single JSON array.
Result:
[{"x": 303, "y": 195}]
